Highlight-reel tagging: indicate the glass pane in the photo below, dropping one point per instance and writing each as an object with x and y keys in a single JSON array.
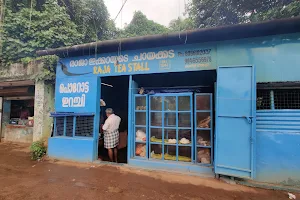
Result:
[
  {"x": 184, "y": 103},
  {"x": 184, "y": 120},
  {"x": 170, "y": 153},
  {"x": 184, "y": 136},
  {"x": 203, "y": 120},
  {"x": 140, "y": 103},
  {"x": 156, "y": 103},
  {"x": 156, "y": 135},
  {"x": 156, "y": 119},
  {"x": 203, "y": 138},
  {"x": 140, "y": 134},
  {"x": 170, "y": 103},
  {"x": 203, "y": 155},
  {"x": 170, "y": 119},
  {"x": 155, "y": 151},
  {"x": 170, "y": 136},
  {"x": 140, "y": 118},
  {"x": 203, "y": 102},
  {"x": 184, "y": 154},
  {"x": 140, "y": 149}
]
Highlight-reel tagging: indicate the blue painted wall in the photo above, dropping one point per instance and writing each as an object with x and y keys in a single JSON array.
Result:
[
  {"x": 278, "y": 146},
  {"x": 80, "y": 94},
  {"x": 68, "y": 148},
  {"x": 276, "y": 58}
]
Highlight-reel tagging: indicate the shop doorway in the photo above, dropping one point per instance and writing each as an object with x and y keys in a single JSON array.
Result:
[
  {"x": 173, "y": 117},
  {"x": 114, "y": 92}
]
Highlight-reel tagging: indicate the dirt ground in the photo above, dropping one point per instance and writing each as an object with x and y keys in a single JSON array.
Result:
[{"x": 21, "y": 178}]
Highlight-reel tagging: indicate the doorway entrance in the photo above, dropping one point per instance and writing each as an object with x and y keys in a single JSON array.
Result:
[{"x": 114, "y": 92}]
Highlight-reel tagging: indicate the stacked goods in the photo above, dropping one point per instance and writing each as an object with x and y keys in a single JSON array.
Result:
[
  {"x": 204, "y": 156},
  {"x": 170, "y": 157},
  {"x": 184, "y": 141},
  {"x": 203, "y": 142},
  {"x": 140, "y": 136},
  {"x": 140, "y": 108},
  {"x": 172, "y": 141},
  {"x": 140, "y": 150},
  {"x": 204, "y": 123}
]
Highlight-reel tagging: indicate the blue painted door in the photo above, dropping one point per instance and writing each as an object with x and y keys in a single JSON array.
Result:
[{"x": 235, "y": 121}]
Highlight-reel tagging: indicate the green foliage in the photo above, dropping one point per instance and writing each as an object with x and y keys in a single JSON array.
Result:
[
  {"x": 290, "y": 10},
  {"x": 91, "y": 17},
  {"x": 140, "y": 26},
  {"x": 111, "y": 32},
  {"x": 37, "y": 150},
  {"x": 180, "y": 24},
  {"x": 48, "y": 72},
  {"x": 29, "y": 30},
  {"x": 212, "y": 13}
]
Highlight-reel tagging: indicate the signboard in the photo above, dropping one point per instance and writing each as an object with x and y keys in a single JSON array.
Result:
[
  {"x": 157, "y": 60},
  {"x": 76, "y": 94}
]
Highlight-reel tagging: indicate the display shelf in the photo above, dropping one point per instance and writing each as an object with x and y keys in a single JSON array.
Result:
[
  {"x": 200, "y": 146},
  {"x": 141, "y": 142},
  {"x": 203, "y": 118},
  {"x": 203, "y": 129},
  {"x": 155, "y": 143},
  {"x": 140, "y": 111},
  {"x": 166, "y": 116},
  {"x": 140, "y": 126},
  {"x": 185, "y": 145},
  {"x": 140, "y": 123},
  {"x": 202, "y": 111}
]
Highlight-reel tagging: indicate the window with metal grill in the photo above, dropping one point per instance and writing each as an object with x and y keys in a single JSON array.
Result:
[
  {"x": 287, "y": 99},
  {"x": 278, "y": 99},
  {"x": 59, "y": 126},
  {"x": 69, "y": 126},
  {"x": 84, "y": 126},
  {"x": 263, "y": 101}
]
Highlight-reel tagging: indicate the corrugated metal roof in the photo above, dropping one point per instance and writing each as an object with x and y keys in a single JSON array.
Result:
[{"x": 267, "y": 28}]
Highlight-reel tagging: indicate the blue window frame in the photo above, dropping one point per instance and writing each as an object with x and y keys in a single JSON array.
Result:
[
  {"x": 203, "y": 115},
  {"x": 73, "y": 124},
  {"x": 175, "y": 127},
  {"x": 141, "y": 126},
  {"x": 170, "y": 121}
]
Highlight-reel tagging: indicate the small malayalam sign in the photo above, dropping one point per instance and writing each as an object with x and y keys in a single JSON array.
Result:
[{"x": 76, "y": 94}]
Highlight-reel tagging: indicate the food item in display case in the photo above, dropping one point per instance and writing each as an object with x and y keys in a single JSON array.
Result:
[
  {"x": 140, "y": 108},
  {"x": 154, "y": 139},
  {"x": 184, "y": 141},
  {"x": 140, "y": 135},
  {"x": 180, "y": 158},
  {"x": 172, "y": 141},
  {"x": 140, "y": 150},
  {"x": 170, "y": 157},
  {"x": 204, "y": 156},
  {"x": 204, "y": 123},
  {"x": 203, "y": 142},
  {"x": 155, "y": 156}
]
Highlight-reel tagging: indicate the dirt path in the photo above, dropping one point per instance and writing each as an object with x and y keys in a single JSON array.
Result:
[{"x": 23, "y": 179}]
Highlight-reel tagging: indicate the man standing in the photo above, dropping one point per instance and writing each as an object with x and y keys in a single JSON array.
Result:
[{"x": 111, "y": 134}]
